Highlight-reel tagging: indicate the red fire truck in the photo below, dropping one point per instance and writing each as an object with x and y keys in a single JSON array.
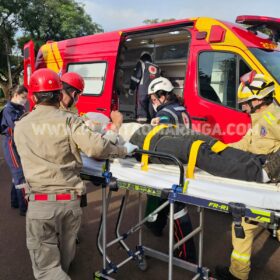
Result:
[{"x": 203, "y": 57}]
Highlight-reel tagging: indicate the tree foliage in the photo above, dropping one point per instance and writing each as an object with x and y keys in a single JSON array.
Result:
[
  {"x": 58, "y": 20},
  {"x": 39, "y": 20}
]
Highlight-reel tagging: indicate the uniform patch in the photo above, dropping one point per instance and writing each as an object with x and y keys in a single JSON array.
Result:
[
  {"x": 152, "y": 69},
  {"x": 263, "y": 131}
]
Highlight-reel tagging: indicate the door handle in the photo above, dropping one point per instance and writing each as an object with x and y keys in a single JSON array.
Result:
[
  {"x": 202, "y": 119},
  {"x": 101, "y": 109}
]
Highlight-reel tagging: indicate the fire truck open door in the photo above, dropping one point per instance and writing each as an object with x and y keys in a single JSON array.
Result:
[{"x": 29, "y": 68}]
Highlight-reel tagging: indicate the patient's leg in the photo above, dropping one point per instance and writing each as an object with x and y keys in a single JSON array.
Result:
[
  {"x": 241, "y": 155},
  {"x": 234, "y": 164},
  {"x": 231, "y": 163}
]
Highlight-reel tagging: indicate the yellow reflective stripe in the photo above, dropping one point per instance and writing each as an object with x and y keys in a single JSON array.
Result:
[
  {"x": 218, "y": 147},
  {"x": 147, "y": 142},
  {"x": 269, "y": 117},
  {"x": 240, "y": 257},
  {"x": 260, "y": 212},
  {"x": 262, "y": 219},
  {"x": 192, "y": 158},
  {"x": 52, "y": 56}
]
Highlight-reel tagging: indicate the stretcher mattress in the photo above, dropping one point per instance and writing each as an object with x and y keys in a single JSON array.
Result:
[{"x": 205, "y": 186}]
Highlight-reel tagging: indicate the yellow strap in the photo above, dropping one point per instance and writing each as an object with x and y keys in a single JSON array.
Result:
[
  {"x": 218, "y": 147},
  {"x": 186, "y": 184},
  {"x": 192, "y": 158},
  {"x": 146, "y": 145}
]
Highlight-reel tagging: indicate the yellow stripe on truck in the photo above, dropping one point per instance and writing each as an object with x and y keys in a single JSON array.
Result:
[
  {"x": 232, "y": 43},
  {"x": 52, "y": 56}
]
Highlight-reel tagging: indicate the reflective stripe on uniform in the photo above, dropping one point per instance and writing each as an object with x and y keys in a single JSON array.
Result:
[
  {"x": 143, "y": 71},
  {"x": 269, "y": 117},
  {"x": 135, "y": 79},
  {"x": 172, "y": 114},
  {"x": 180, "y": 109},
  {"x": 245, "y": 258}
]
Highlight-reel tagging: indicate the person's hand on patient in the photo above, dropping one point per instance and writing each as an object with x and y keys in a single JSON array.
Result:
[
  {"x": 130, "y": 147},
  {"x": 117, "y": 120},
  {"x": 155, "y": 121}
]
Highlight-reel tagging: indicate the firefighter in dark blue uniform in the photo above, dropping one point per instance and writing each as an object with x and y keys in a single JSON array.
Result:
[
  {"x": 168, "y": 106},
  {"x": 169, "y": 110},
  {"x": 144, "y": 72},
  {"x": 12, "y": 112}
]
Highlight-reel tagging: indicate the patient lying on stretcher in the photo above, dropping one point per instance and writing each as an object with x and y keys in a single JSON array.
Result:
[{"x": 212, "y": 156}]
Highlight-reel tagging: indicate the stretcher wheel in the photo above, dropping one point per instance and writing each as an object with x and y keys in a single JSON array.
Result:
[{"x": 142, "y": 263}]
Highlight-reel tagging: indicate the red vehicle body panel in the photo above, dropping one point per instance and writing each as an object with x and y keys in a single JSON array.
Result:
[{"x": 206, "y": 35}]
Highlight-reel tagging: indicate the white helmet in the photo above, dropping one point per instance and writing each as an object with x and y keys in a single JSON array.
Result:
[{"x": 160, "y": 83}]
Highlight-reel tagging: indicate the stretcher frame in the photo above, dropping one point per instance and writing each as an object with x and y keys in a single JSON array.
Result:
[{"x": 174, "y": 194}]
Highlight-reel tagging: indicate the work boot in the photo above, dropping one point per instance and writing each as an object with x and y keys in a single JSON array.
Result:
[
  {"x": 223, "y": 273},
  {"x": 272, "y": 166}
]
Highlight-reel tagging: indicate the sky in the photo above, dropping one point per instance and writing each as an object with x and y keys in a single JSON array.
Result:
[{"x": 118, "y": 14}]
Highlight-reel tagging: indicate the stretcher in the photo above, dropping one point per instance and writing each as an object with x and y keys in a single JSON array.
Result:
[{"x": 260, "y": 202}]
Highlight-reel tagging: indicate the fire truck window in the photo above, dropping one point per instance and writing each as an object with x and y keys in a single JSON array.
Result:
[
  {"x": 217, "y": 77},
  {"x": 93, "y": 74},
  {"x": 270, "y": 59}
]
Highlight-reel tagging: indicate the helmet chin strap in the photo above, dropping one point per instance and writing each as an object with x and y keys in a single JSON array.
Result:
[
  {"x": 71, "y": 101},
  {"x": 255, "y": 108}
]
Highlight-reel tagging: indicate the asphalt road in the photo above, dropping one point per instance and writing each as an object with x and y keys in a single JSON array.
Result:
[{"x": 15, "y": 263}]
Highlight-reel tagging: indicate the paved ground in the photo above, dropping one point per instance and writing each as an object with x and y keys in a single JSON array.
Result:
[{"x": 15, "y": 263}]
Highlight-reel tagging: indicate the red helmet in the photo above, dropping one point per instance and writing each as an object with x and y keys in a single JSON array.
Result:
[
  {"x": 74, "y": 80},
  {"x": 44, "y": 80}
]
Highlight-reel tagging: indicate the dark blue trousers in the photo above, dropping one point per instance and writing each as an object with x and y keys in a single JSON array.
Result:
[{"x": 13, "y": 161}]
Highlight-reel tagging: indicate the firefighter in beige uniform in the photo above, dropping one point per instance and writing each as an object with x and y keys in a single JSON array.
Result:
[
  {"x": 72, "y": 87},
  {"x": 49, "y": 141},
  {"x": 255, "y": 94}
]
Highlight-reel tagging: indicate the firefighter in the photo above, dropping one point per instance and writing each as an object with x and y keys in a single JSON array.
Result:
[
  {"x": 144, "y": 72},
  {"x": 73, "y": 86},
  {"x": 49, "y": 141},
  {"x": 255, "y": 95},
  {"x": 168, "y": 106},
  {"x": 11, "y": 113},
  {"x": 170, "y": 111}
]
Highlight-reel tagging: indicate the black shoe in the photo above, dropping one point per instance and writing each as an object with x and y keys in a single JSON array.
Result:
[
  {"x": 272, "y": 166},
  {"x": 223, "y": 273},
  {"x": 14, "y": 206}
]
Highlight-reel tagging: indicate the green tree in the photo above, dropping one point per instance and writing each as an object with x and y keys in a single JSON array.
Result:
[
  {"x": 58, "y": 20},
  {"x": 39, "y": 20},
  {"x": 9, "y": 22}
]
